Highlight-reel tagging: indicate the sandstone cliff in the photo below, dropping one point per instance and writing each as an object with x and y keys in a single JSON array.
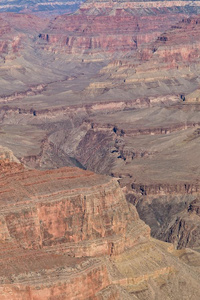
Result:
[
  {"x": 70, "y": 234},
  {"x": 110, "y": 29}
]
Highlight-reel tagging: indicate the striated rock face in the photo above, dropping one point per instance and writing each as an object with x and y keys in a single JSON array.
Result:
[
  {"x": 105, "y": 33},
  {"x": 113, "y": 27},
  {"x": 38, "y": 215},
  {"x": 24, "y": 22},
  {"x": 70, "y": 234},
  {"x": 15, "y": 29},
  {"x": 48, "y": 219},
  {"x": 163, "y": 66},
  {"x": 153, "y": 151},
  {"x": 183, "y": 230},
  {"x": 53, "y": 276}
]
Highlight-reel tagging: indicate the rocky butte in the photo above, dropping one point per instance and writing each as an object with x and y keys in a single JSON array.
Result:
[{"x": 70, "y": 234}]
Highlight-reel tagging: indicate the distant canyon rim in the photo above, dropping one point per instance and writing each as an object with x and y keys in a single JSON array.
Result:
[{"x": 113, "y": 89}]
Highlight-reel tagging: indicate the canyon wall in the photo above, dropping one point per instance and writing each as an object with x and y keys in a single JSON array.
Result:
[
  {"x": 183, "y": 230},
  {"x": 112, "y": 27},
  {"x": 70, "y": 234},
  {"x": 84, "y": 219},
  {"x": 109, "y": 31}
]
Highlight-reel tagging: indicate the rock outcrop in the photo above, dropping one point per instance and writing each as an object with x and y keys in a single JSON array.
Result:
[
  {"x": 159, "y": 67},
  {"x": 183, "y": 230},
  {"x": 155, "y": 161},
  {"x": 70, "y": 234},
  {"x": 109, "y": 28},
  {"x": 37, "y": 216},
  {"x": 15, "y": 31}
]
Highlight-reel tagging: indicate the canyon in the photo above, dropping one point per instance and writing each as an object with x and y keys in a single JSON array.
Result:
[{"x": 112, "y": 89}]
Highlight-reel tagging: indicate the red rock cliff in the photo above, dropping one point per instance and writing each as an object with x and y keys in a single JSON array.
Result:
[{"x": 70, "y": 234}]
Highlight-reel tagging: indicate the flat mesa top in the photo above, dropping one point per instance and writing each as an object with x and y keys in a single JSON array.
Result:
[{"x": 19, "y": 185}]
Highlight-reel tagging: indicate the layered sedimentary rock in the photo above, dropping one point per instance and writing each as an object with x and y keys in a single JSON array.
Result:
[
  {"x": 136, "y": 119},
  {"x": 162, "y": 67},
  {"x": 84, "y": 220},
  {"x": 110, "y": 27},
  {"x": 183, "y": 230},
  {"x": 170, "y": 65},
  {"x": 70, "y": 234},
  {"x": 155, "y": 161},
  {"x": 15, "y": 31},
  {"x": 48, "y": 220}
]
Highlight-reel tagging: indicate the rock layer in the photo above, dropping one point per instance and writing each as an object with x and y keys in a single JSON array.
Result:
[
  {"x": 108, "y": 30},
  {"x": 183, "y": 230},
  {"x": 38, "y": 215},
  {"x": 70, "y": 234}
]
